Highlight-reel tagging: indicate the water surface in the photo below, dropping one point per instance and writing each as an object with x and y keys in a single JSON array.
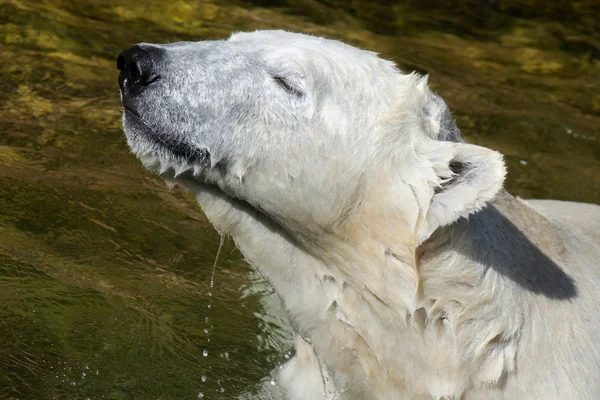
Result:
[{"x": 104, "y": 272}]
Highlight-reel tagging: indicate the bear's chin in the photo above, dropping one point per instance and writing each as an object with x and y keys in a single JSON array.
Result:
[
  {"x": 174, "y": 171},
  {"x": 155, "y": 146},
  {"x": 189, "y": 177}
]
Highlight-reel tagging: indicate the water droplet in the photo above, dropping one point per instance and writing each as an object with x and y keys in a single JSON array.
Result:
[
  {"x": 200, "y": 395},
  {"x": 203, "y": 379},
  {"x": 205, "y": 353},
  {"x": 523, "y": 162},
  {"x": 273, "y": 381},
  {"x": 209, "y": 294},
  {"x": 209, "y": 305},
  {"x": 206, "y": 331},
  {"x": 569, "y": 131}
]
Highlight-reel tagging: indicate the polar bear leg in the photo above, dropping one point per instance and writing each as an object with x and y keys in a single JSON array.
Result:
[{"x": 302, "y": 377}]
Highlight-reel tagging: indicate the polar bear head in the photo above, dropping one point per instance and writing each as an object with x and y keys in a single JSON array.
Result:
[{"x": 304, "y": 130}]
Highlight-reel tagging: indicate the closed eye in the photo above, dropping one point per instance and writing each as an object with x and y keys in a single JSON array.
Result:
[{"x": 289, "y": 87}]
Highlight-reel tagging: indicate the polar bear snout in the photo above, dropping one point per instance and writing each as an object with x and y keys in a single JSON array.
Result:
[{"x": 139, "y": 66}]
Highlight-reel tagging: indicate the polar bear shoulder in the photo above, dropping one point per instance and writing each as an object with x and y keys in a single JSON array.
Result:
[{"x": 582, "y": 215}]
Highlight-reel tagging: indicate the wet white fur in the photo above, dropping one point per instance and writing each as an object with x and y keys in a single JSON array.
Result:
[{"x": 403, "y": 278}]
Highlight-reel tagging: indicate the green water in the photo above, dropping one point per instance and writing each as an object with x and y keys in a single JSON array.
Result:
[{"x": 104, "y": 272}]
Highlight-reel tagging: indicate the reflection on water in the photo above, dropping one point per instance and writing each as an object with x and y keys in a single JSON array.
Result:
[{"x": 105, "y": 274}]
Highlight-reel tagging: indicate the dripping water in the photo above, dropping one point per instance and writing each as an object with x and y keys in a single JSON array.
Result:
[{"x": 208, "y": 327}]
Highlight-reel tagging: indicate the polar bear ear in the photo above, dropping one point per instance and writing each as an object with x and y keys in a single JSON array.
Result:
[{"x": 468, "y": 177}]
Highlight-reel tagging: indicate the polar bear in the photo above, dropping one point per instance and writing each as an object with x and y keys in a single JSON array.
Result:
[{"x": 406, "y": 270}]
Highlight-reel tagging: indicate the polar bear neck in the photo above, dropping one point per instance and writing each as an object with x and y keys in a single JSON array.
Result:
[
  {"x": 453, "y": 304},
  {"x": 370, "y": 302}
]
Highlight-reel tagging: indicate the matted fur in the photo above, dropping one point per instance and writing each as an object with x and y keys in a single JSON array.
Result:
[{"x": 406, "y": 270}]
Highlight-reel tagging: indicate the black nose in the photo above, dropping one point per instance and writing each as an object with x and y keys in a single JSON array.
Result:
[{"x": 138, "y": 68}]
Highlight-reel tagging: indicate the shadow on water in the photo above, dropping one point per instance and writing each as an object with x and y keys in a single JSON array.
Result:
[{"x": 104, "y": 273}]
